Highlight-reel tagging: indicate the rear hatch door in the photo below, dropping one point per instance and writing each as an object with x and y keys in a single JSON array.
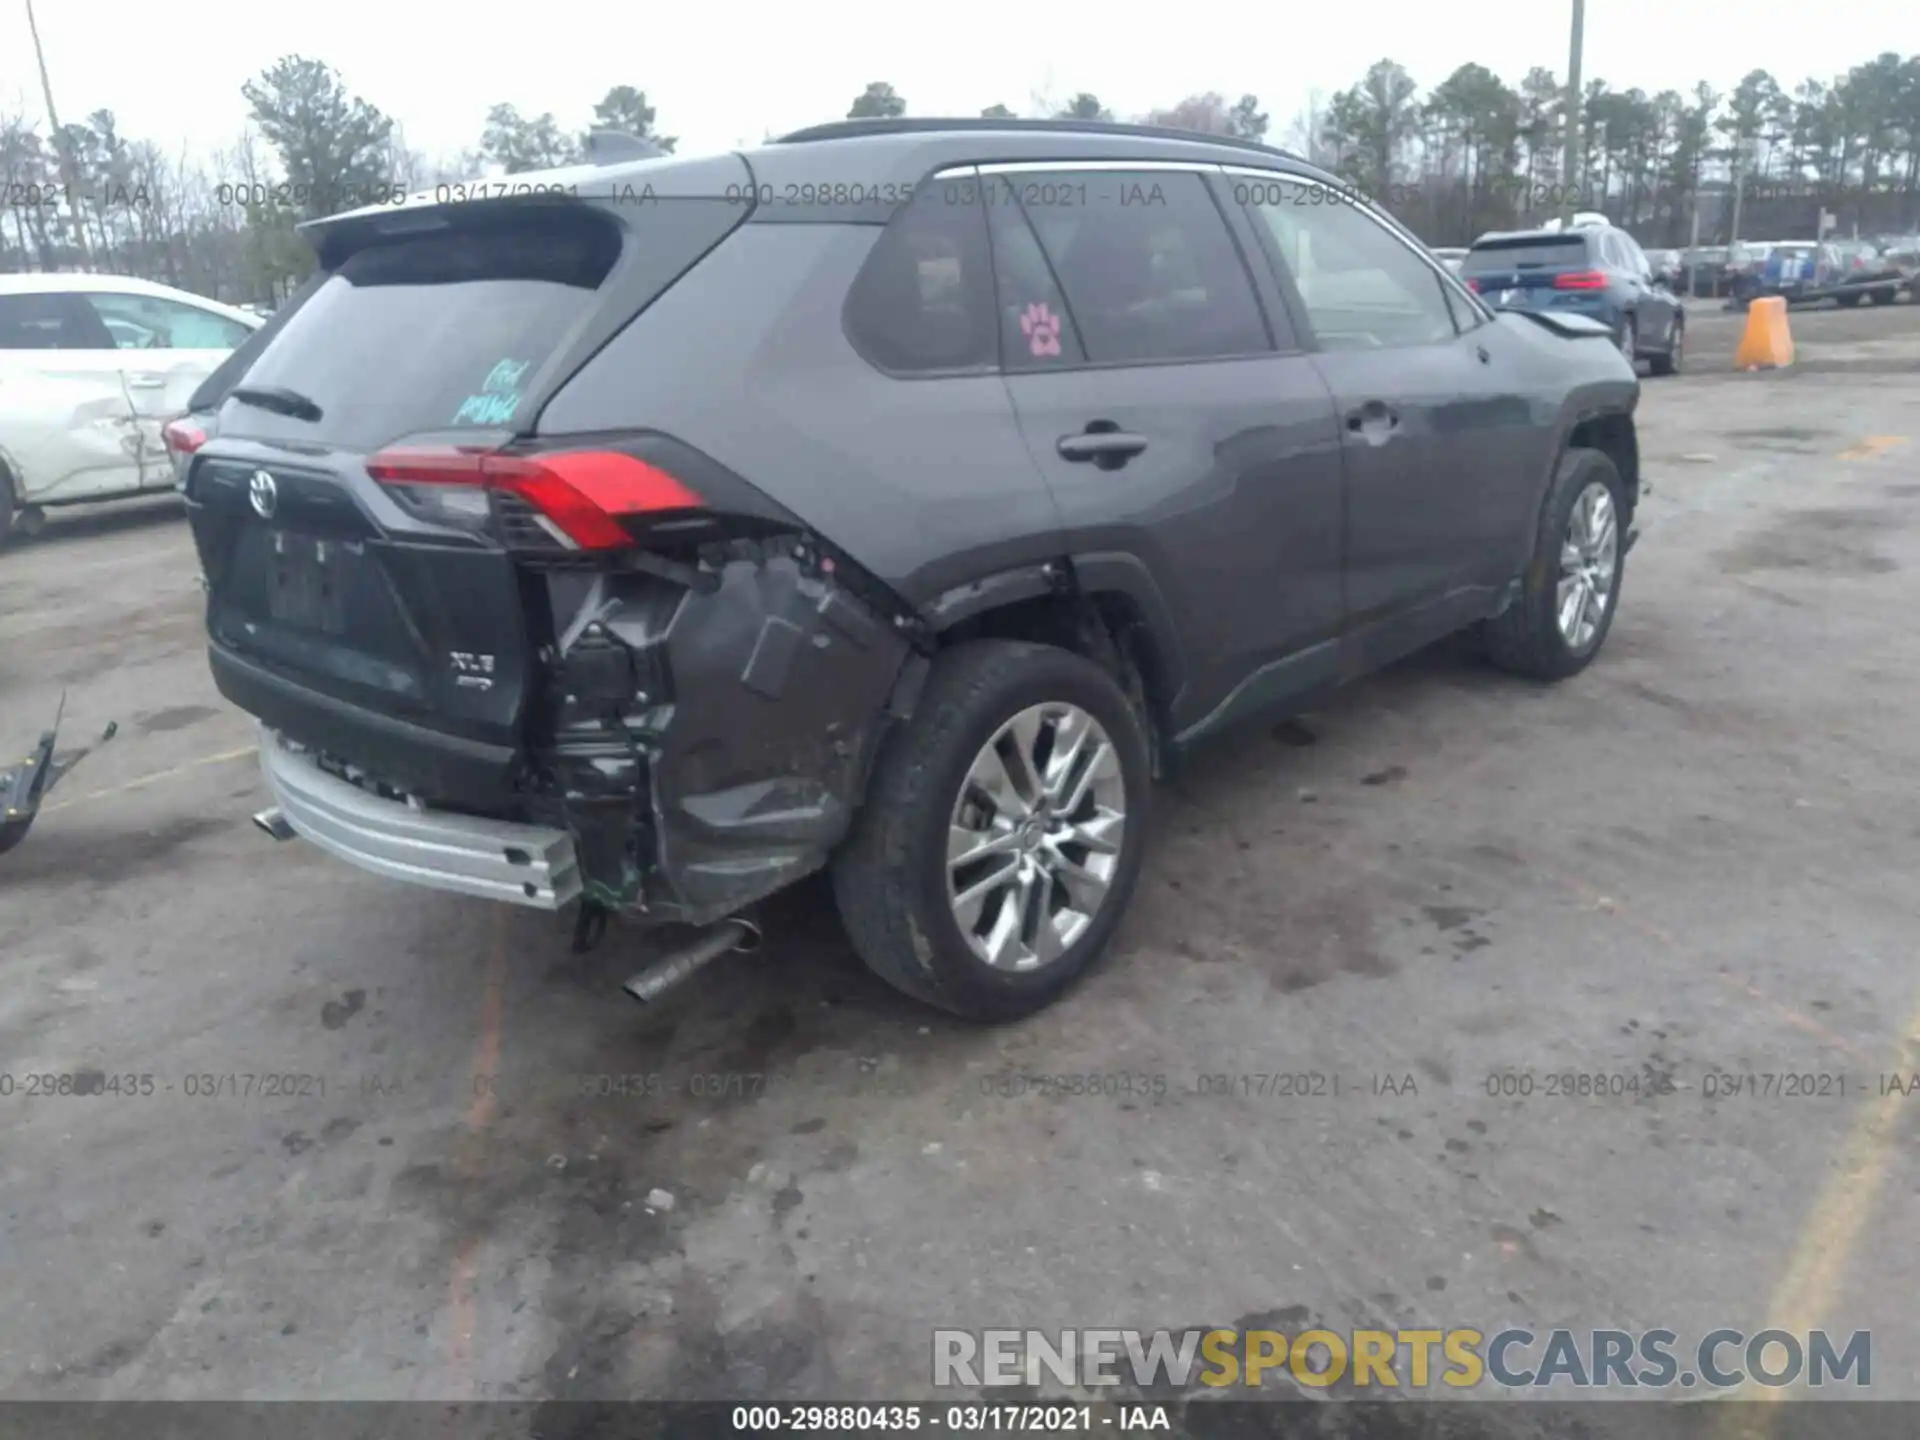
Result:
[
  {"x": 391, "y": 608},
  {"x": 1522, "y": 271}
]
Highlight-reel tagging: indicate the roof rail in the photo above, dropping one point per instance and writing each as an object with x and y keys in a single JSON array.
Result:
[
  {"x": 613, "y": 147},
  {"x": 846, "y": 129}
]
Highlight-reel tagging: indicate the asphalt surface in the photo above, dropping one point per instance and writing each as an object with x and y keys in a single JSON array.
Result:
[{"x": 1695, "y": 860}]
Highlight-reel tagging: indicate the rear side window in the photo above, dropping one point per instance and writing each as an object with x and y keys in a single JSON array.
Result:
[
  {"x": 50, "y": 322},
  {"x": 1149, "y": 269},
  {"x": 1531, "y": 253},
  {"x": 1036, "y": 330},
  {"x": 923, "y": 301},
  {"x": 437, "y": 331}
]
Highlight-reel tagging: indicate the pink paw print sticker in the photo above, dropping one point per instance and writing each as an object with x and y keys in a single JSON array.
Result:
[{"x": 1042, "y": 329}]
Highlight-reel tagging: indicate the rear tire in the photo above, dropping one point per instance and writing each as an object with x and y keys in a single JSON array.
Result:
[
  {"x": 1851, "y": 298},
  {"x": 901, "y": 897},
  {"x": 7, "y": 503},
  {"x": 1886, "y": 296},
  {"x": 1529, "y": 637},
  {"x": 1629, "y": 341},
  {"x": 1669, "y": 363}
]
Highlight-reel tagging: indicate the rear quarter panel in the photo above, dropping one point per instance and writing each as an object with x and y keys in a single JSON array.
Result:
[{"x": 925, "y": 483}]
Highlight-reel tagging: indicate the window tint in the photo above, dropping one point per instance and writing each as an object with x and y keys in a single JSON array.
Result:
[
  {"x": 147, "y": 322},
  {"x": 1362, "y": 287},
  {"x": 50, "y": 322},
  {"x": 1148, "y": 265},
  {"x": 1036, "y": 332},
  {"x": 924, "y": 298},
  {"x": 436, "y": 330},
  {"x": 1498, "y": 257}
]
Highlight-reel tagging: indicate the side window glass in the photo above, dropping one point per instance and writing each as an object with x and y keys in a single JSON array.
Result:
[
  {"x": 49, "y": 321},
  {"x": 1464, "y": 315},
  {"x": 1036, "y": 330},
  {"x": 147, "y": 322},
  {"x": 924, "y": 299},
  {"x": 1149, "y": 268},
  {"x": 1362, "y": 287}
]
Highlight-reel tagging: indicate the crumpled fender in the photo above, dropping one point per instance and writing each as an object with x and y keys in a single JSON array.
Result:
[{"x": 25, "y": 785}]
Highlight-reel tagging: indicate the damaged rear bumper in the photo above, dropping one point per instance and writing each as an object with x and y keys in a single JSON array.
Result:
[{"x": 531, "y": 865}]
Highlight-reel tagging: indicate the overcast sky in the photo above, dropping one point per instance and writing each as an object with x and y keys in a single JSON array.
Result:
[{"x": 722, "y": 75}]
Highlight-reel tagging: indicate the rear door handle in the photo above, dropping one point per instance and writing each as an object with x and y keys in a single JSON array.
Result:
[
  {"x": 1108, "y": 449},
  {"x": 147, "y": 382}
]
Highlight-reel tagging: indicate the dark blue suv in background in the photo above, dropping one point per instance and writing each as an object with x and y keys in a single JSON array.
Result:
[{"x": 1593, "y": 270}]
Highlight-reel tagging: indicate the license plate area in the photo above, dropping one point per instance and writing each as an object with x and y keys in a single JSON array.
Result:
[{"x": 307, "y": 582}]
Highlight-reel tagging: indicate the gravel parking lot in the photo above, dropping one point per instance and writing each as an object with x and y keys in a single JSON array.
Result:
[{"x": 1697, "y": 860}]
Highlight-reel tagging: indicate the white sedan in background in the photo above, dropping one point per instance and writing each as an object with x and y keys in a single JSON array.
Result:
[{"x": 92, "y": 367}]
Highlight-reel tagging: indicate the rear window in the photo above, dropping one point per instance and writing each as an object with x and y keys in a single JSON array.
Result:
[
  {"x": 440, "y": 331},
  {"x": 1531, "y": 252}
]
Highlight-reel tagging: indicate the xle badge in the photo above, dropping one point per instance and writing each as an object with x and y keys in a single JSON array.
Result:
[{"x": 471, "y": 671}]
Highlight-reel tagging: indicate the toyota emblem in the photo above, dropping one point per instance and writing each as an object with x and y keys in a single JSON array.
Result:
[{"x": 264, "y": 494}]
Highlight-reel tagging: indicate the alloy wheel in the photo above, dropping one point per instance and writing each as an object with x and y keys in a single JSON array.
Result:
[
  {"x": 1588, "y": 560},
  {"x": 1035, "y": 836}
]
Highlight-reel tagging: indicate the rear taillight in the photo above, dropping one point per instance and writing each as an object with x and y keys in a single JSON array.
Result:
[
  {"x": 1580, "y": 280},
  {"x": 181, "y": 437},
  {"x": 1474, "y": 286},
  {"x": 581, "y": 497}
]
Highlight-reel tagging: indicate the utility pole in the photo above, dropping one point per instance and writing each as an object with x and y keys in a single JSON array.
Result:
[
  {"x": 67, "y": 178},
  {"x": 1739, "y": 183},
  {"x": 1570, "y": 164}
]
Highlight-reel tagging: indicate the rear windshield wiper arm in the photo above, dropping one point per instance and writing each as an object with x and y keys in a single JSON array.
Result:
[{"x": 276, "y": 398}]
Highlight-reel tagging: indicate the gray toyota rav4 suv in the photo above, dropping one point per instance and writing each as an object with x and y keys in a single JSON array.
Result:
[{"x": 899, "y": 497}]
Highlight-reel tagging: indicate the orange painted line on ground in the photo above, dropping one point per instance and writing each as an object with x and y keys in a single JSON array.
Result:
[
  {"x": 1873, "y": 445},
  {"x": 1802, "y": 1022}
]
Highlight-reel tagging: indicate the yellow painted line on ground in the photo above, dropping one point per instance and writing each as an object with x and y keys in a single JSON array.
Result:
[
  {"x": 1817, "y": 1267},
  {"x": 1873, "y": 445},
  {"x": 1817, "y": 1270},
  {"x": 145, "y": 780},
  {"x": 462, "y": 1304}
]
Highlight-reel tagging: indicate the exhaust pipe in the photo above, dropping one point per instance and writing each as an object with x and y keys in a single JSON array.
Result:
[
  {"x": 671, "y": 969},
  {"x": 275, "y": 824}
]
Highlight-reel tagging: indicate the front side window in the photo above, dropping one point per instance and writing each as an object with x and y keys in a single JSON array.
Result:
[
  {"x": 148, "y": 322},
  {"x": 1363, "y": 288}
]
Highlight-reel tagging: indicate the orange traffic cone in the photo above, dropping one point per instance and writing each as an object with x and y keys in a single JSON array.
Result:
[{"x": 1766, "y": 345}]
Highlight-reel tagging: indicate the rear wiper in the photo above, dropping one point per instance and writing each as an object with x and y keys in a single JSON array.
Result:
[{"x": 276, "y": 398}]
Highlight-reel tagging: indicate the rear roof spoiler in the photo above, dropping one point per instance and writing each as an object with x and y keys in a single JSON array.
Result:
[{"x": 612, "y": 147}]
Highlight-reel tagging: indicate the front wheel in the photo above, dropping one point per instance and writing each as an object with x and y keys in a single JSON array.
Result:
[
  {"x": 1002, "y": 832},
  {"x": 1572, "y": 585},
  {"x": 1669, "y": 363},
  {"x": 1850, "y": 299},
  {"x": 1885, "y": 296}
]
